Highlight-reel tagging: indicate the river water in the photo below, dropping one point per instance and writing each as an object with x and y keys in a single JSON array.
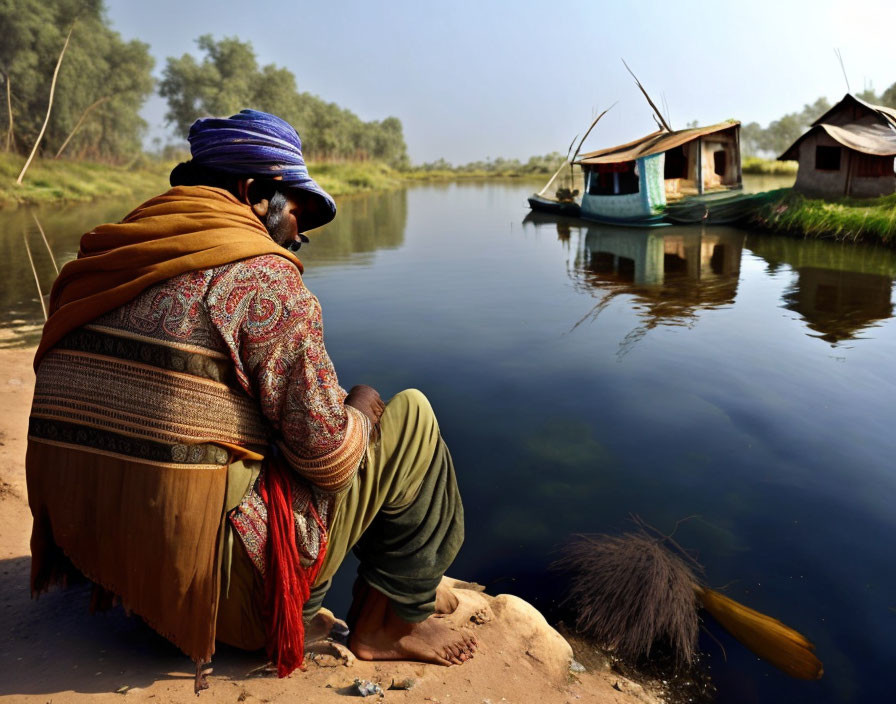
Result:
[{"x": 584, "y": 373}]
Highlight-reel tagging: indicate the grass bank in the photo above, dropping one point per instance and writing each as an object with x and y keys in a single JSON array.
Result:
[
  {"x": 767, "y": 167},
  {"x": 423, "y": 175},
  {"x": 48, "y": 181},
  {"x": 867, "y": 220}
]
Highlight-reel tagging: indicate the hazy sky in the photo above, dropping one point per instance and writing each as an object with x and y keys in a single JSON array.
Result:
[{"x": 475, "y": 79}]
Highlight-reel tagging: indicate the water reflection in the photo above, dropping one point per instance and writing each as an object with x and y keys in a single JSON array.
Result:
[
  {"x": 364, "y": 224},
  {"x": 671, "y": 273},
  {"x": 840, "y": 289}
]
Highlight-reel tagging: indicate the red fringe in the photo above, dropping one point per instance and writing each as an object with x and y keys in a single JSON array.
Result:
[{"x": 287, "y": 583}]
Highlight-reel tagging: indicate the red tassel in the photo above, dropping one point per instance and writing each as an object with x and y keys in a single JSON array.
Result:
[{"x": 287, "y": 583}]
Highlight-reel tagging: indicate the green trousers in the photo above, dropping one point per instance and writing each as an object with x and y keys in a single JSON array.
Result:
[{"x": 402, "y": 515}]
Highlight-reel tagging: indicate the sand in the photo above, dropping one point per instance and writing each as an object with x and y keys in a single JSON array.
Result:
[{"x": 53, "y": 650}]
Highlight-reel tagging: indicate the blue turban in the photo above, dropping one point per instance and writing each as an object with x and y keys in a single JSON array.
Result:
[{"x": 254, "y": 143}]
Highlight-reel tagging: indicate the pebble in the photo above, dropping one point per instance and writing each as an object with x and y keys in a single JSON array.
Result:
[
  {"x": 366, "y": 688},
  {"x": 576, "y": 666}
]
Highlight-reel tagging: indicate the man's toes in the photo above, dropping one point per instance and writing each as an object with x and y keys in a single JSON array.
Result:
[{"x": 441, "y": 659}]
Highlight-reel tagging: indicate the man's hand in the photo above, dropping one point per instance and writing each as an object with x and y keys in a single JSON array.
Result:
[{"x": 367, "y": 400}]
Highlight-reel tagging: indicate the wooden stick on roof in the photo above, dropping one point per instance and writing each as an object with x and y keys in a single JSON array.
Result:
[
  {"x": 588, "y": 131},
  {"x": 659, "y": 116},
  {"x": 666, "y": 108},
  {"x": 843, "y": 68}
]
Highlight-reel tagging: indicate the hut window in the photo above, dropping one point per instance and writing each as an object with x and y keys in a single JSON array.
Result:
[
  {"x": 827, "y": 158},
  {"x": 614, "y": 179},
  {"x": 720, "y": 162},
  {"x": 676, "y": 165}
]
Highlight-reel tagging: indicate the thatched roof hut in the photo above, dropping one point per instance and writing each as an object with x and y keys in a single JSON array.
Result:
[{"x": 848, "y": 151}]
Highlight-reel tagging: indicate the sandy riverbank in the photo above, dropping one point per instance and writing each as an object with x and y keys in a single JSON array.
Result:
[{"x": 53, "y": 649}]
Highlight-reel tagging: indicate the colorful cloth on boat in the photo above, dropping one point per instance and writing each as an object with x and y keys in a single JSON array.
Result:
[
  {"x": 138, "y": 414},
  {"x": 255, "y": 143}
]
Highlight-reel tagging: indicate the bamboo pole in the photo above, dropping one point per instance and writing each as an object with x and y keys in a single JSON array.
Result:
[
  {"x": 40, "y": 296},
  {"x": 659, "y": 115},
  {"x": 10, "y": 136},
  {"x": 44, "y": 236},
  {"x": 49, "y": 108},
  {"x": 588, "y": 131},
  {"x": 84, "y": 114}
]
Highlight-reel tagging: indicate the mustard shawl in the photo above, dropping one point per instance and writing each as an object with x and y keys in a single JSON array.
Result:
[{"x": 186, "y": 229}]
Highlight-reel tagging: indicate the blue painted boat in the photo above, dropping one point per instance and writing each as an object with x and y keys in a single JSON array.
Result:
[{"x": 681, "y": 176}]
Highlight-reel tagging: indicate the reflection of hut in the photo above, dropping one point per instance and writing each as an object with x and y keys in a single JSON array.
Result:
[
  {"x": 673, "y": 272},
  {"x": 838, "y": 304},
  {"x": 635, "y": 181},
  {"x": 840, "y": 289},
  {"x": 848, "y": 151},
  {"x": 657, "y": 257}
]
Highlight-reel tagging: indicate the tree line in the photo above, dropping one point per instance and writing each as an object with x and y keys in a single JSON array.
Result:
[
  {"x": 103, "y": 82},
  {"x": 774, "y": 139},
  {"x": 228, "y": 78},
  {"x": 546, "y": 164}
]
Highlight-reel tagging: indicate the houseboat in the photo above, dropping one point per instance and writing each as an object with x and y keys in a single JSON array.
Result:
[{"x": 669, "y": 176}]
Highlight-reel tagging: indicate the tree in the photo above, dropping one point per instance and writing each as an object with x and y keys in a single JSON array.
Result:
[
  {"x": 888, "y": 97},
  {"x": 98, "y": 65},
  {"x": 781, "y": 133},
  {"x": 228, "y": 78}
]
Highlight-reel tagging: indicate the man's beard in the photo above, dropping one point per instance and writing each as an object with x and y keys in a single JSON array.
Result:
[{"x": 276, "y": 221}]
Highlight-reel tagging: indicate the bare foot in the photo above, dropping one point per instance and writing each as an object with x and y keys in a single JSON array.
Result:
[
  {"x": 339, "y": 653},
  {"x": 322, "y": 626},
  {"x": 446, "y": 601},
  {"x": 380, "y": 634}
]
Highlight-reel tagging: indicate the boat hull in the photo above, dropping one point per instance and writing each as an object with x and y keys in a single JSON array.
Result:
[{"x": 556, "y": 207}]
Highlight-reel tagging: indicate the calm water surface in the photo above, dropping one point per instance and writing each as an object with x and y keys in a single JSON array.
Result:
[{"x": 585, "y": 373}]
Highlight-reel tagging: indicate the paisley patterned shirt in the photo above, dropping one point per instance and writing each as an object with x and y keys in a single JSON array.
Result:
[{"x": 259, "y": 313}]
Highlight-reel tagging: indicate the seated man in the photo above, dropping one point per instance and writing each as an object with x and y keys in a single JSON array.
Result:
[{"x": 190, "y": 449}]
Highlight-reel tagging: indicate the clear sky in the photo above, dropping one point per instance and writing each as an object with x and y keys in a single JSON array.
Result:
[{"x": 480, "y": 79}]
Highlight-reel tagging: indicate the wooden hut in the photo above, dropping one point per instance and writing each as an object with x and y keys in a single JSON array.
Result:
[
  {"x": 848, "y": 151},
  {"x": 633, "y": 182}
]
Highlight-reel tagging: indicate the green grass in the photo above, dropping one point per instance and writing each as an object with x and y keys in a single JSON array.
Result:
[
  {"x": 49, "y": 181},
  {"x": 869, "y": 220},
  {"x": 760, "y": 166},
  {"x": 343, "y": 178},
  {"x": 417, "y": 175}
]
